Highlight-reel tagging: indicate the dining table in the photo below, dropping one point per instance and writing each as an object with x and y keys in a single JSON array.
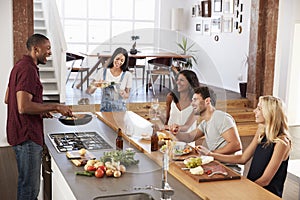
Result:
[{"x": 142, "y": 54}]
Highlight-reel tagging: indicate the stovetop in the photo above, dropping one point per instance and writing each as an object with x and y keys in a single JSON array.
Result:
[{"x": 76, "y": 140}]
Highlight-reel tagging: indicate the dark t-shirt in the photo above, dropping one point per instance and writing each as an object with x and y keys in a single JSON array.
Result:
[
  {"x": 22, "y": 127},
  {"x": 261, "y": 159}
]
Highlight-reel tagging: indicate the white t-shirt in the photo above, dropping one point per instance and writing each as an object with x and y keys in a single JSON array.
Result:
[
  {"x": 213, "y": 129},
  {"x": 180, "y": 116},
  {"x": 126, "y": 83}
]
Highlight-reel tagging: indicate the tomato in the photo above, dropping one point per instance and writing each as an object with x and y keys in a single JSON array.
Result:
[
  {"x": 99, "y": 173},
  {"x": 208, "y": 172},
  {"x": 91, "y": 168},
  {"x": 103, "y": 168}
]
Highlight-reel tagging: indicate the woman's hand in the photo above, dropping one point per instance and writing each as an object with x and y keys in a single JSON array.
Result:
[
  {"x": 173, "y": 128},
  {"x": 124, "y": 94},
  {"x": 202, "y": 150}
]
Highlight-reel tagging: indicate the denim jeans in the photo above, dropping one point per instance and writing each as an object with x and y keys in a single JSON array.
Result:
[{"x": 29, "y": 160}]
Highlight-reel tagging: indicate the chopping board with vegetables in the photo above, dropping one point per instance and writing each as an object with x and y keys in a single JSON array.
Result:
[
  {"x": 80, "y": 158},
  {"x": 212, "y": 171}
]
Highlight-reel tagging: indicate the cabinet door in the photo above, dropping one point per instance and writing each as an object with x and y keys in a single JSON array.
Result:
[{"x": 60, "y": 188}]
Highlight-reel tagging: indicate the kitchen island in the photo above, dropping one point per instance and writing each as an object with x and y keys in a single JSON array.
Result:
[
  {"x": 148, "y": 172},
  {"x": 66, "y": 185}
]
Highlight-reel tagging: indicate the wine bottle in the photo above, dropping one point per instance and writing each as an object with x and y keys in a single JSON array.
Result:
[
  {"x": 154, "y": 139},
  {"x": 119, "y": 140}
]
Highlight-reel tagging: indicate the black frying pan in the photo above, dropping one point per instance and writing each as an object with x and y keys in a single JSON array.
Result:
[{"x": 79, "y": 119}]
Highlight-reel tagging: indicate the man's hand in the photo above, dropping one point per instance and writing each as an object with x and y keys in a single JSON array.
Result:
[
  {"x": 64, "y": 110},
  {"x": 47, "y": 115},
  {"x": 202, "y": 150}
]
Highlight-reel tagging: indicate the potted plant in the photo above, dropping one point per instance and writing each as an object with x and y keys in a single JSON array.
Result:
[{"x": 187, "y": 51}]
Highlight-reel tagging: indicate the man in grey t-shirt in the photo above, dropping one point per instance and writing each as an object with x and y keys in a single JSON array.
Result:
[{"x": 218, "y": 127}]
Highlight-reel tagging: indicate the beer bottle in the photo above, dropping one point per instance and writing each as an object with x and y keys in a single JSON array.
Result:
[
  {"x": 154, "y": 139},
  {"x": 119, "y": 140}
]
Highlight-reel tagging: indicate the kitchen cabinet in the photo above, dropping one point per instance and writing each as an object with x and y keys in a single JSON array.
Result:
[{"x": 60, "y": 188}]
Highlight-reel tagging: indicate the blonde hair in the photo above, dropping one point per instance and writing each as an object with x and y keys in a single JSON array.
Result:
[{"x": 275, "y": 119}]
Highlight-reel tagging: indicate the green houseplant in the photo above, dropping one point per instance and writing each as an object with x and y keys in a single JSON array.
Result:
[{"x": 187, "y": 51}]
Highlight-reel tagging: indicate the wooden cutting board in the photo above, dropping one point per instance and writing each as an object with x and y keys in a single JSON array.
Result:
[
  {"x": 214, "y": 166},
  {"x": 79, "y": 160}
]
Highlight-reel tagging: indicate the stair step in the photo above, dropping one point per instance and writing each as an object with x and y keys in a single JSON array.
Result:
[
  {"x": 46, "y": 69},
  {"x": 50, "y": 92},
  {"x": 40, "y": 28},
  {"x": 48, "y": 80}
]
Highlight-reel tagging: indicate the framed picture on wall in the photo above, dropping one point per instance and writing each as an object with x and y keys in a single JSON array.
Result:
[
  {"x": 216, "y": 24},
  {"x": 217, "y": 5},
  {"x": 227, "y": 24},
  {"x": 206, "y": 27},
  {"x": 228, "y": 6},
  {"x": 206, "y": 8},
  {"x": 198, "y": 26},
  {"x": 199, "y": 10}
]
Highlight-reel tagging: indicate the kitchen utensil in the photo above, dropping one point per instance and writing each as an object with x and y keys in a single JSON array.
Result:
[{"x": 79, "y": 119}]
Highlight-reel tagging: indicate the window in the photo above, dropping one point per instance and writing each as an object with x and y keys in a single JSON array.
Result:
[{"x": 108, "y": 23}]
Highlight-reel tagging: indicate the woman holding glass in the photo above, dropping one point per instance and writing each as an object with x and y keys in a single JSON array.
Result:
[
  {"x": 115, "y": 81},
  {"x": 178, "y": 102}
]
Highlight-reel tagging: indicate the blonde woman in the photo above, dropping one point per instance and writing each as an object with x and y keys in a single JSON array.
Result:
[{"x": 270, "y": 147}]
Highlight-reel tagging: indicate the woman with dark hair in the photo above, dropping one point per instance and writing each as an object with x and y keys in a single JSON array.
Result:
[
  {"x": 178, "y": 103},
  {"x": 117, "y": 78}
]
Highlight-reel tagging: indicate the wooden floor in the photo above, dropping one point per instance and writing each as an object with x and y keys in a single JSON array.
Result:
[{"x": 138, "y": 94}]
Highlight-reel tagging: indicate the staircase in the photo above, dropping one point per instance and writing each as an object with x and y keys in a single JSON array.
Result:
[{"x": 48, "y": 73}]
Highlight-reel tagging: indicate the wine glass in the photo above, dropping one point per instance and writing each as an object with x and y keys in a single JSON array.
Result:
[{"x": 155, "y": 105}]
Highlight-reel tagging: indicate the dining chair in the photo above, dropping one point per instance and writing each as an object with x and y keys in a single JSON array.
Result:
[
  {"x": 132, "y": 68},
  {"x": 161, "y": 68},
  {"x": 74, "y": 68}
]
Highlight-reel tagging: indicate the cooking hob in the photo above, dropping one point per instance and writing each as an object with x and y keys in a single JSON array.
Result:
[{"x": 76, "y": 140}]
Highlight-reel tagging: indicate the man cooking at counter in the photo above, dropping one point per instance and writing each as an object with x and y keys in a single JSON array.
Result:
[
  {"x": 25, "y": 112},
  {"x": 218, "y": 127}
]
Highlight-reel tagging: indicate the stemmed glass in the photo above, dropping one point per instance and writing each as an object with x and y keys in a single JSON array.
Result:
[{"x": 155, "y": 105}]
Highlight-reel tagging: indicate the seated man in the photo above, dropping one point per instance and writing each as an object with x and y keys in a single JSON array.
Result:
[{"x": 218, "y": 127}]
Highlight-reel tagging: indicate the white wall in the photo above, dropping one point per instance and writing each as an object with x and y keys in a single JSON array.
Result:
[
  {"x": 220, "y": 63},
  {"x": 6, "y": 57},
  {"x": 287, "y": 73}
]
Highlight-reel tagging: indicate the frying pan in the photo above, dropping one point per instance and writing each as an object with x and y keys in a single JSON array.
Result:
[{"x": 79, "y": 119}]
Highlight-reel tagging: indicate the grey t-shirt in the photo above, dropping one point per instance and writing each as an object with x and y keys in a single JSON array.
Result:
[{"x": 215, "y": 127}]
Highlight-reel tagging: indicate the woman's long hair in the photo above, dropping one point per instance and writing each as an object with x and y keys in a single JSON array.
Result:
[
  {"x": 193, "y": 81},
  {"x": 123, "y": 51},
  {"x": 275, "y": 119}
]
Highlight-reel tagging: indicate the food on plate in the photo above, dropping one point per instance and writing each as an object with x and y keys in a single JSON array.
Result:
[
  {"x": 197, "y": 170},
  {"x": 192, "y": 162},
  {"x": 103, "y": 84}
]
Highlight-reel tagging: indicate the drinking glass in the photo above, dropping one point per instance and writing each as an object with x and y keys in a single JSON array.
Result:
[{"x": 154, "y": 106}]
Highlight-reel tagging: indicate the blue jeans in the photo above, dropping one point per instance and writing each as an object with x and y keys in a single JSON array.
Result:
[{"x": 29, "y": 160}]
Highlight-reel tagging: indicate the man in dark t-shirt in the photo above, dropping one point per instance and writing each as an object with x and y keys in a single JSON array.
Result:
[{"x": 25, "y": 115}]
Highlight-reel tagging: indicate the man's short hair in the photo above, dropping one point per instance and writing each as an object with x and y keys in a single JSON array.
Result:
[
  {"x": 35, "y": 39},
  {"x": 206, "y": 92}
]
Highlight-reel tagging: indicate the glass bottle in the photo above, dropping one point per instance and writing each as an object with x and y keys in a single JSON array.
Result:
[
  {"x": 154, "y": 139},
  {"x": 119, "y": 140}
]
